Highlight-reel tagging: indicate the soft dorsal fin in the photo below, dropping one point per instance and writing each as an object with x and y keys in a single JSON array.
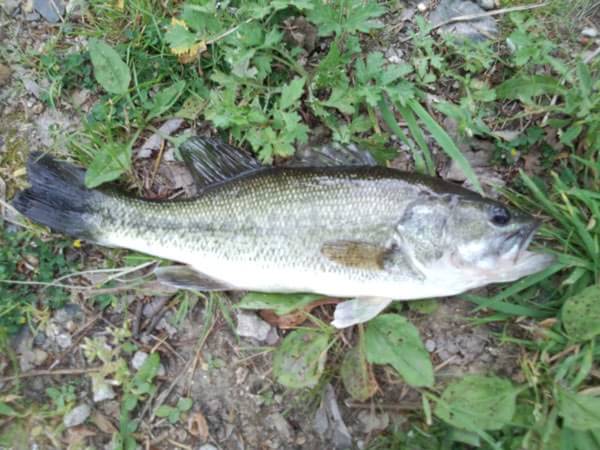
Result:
[
  {"x": 211, "y": 160},
  {"x": 332, "y": 154},
  {"x": 184, "y": 277}
]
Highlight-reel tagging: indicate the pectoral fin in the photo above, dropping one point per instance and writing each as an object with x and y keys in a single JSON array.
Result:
[
  {"x": 184, "y": 277},
  {"x": 358, "y": 310},
  {"x": 355, "y": 254}
]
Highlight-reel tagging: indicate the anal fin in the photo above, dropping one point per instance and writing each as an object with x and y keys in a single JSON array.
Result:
[
  {"x": 358, "y": 310},
  {"x": 184, "y": 277}
]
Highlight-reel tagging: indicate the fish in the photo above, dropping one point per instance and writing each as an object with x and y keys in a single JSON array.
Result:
[{"x": 339, "y": 227}]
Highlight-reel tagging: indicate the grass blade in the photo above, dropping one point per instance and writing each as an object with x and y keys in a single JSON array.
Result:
[
  {"x": 418, "y": 136},
  {"x": 445, "y": 142},
  {"x": 390, "y": 121}
]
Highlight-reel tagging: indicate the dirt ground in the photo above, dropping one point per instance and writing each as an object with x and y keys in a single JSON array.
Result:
[{"x": 229, "y": 378}]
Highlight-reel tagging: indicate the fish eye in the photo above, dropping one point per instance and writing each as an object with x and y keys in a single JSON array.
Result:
[{"x": 500, "y": 216}]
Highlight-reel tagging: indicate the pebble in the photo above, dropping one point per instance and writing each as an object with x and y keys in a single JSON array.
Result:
[
  {"x": 589, "y": 32},
  {"x": 4, "y": 74},
  {"x": 30, "y": 359},
  {"x": 102, "y": 390},
  {"x": 430, "y": 345},
  {"x": 138, "y": 361},
  {"x": 77, "y": 416},
  {"x": 277, "y": 421},
  {"x": 10, "y": 6},
  {"x": 488, "y": 4},
  {"x": 422, "y": 7},
  {"x": 373, "y": 422},
  {"x": 251, "y": 326},
  {"x": 207, "y": 447}
]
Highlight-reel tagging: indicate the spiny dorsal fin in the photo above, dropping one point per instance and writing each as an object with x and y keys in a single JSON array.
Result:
[
  {"x": 355, "y": 254},
  {"x": 211, "y": 160},
  {"x": 184, "y": 277}
]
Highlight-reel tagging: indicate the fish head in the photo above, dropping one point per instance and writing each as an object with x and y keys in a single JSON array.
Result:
[{"x": 487, "y": 236}]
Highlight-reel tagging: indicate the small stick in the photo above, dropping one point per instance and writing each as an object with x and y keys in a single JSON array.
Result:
[{"x": 42, "y": 373}]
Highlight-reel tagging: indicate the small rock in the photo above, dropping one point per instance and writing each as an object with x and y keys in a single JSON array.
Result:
[
  {"x": 476, "y": 30},
  {"x": 51, "y": 10},
  {"x": 79, "y": 97},
  {"x": 4, "y": 74},
  {"x": 488, "y": 4},
  {"x": 589, "y": 32},
  {"x": 102, "y": 390},
  {"x": 241, "y": 373},
  {"x": 272, "y": 337},
  {"x": 10, "y": 6},
  {"x": 30, "y": 359},
  {"x": 328, "y": 421},
  {"x": 76, "y": 416},
  {"x": 394, "y": 55},
  {"x": 422, "y": 7},
  {"x": 207, "y": 447},
  {"x": 430, "y": 345},
  {"x": 277, "y": 421},
  {"x": 64, "y": 340},
  {"x": 69, "y": 312},
  {"x": 138, "y": 361},
  {"x": 373, "y": 422},
  {"x": 251, "y": 326},
  {"x": 32, "y": 17}
]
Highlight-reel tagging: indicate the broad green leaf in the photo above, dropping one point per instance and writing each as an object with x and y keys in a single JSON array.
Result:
[
  {"x": 445, "y": 142},
  {"x": 525, "y": 87},
  {"x": 300, "y": 359},
  {"x": 149, "y": 369},
  {"x": 579, "y": 411},
  {"x": 357, "y": 375},
  {"x": 109, "y": 69},
  {"x": 110, "y": 162},
  {"x": 581, "y": 314},
  {"x": 477, "y": 403},
  {"x": 180, "y": 39},
  {"x": 291, "y": 93},
  {"x": 165, "y": 99},
  {"x": 184, "y": 404},
  {"x": 7, "y": 410},
  {"x": 392, "y": 339},
  {"x": 164, "y": 411},
  {"x": 280, "y": 303},
  {"x": 586, "y": 84}
]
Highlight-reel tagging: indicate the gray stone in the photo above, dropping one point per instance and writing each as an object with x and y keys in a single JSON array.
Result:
[
  {"x": 76, "y": 416},
  {"x": 476, "y": 30},
  {"x": 251, "y": 326},
  {"x": 51, "y": 10},
  {"x": 278, "y": 422},
  {"x": 207, "y": 447},
  {"x": 102, "y": 390},
  {"x": 328, "y": 421},
  {"x": 10, "y": 6},
  {"x": 488, "y": 4},
  {"x": 430, "y": 345},
  {"x": 373, "y": 422},
  {"x": 589, "y": 32}
]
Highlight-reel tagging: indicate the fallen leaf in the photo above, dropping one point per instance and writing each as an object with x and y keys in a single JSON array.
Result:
[
  {"x": 103, "y": 423},
  {"x": 295, "y": 318},
  {"x": 78, "y": 434},
  {"x": 197, "y": 426}
]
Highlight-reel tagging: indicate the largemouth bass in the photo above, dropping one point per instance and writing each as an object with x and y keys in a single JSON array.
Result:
[{"x": 369, "y": 233}]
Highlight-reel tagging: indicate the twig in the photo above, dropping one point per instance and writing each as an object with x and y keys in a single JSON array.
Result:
[
  {"x": 42, "y": 373},
  {"x": 469, "y": 17}
]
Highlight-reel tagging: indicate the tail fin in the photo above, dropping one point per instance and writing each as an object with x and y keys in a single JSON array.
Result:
[{"x": 57, "y": 197}]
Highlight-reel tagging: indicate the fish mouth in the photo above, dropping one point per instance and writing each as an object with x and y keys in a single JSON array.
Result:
[{"x": 516, "y": 242}]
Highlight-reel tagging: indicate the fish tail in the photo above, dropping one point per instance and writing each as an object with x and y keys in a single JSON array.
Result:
[{"x": 58, "y": 197}]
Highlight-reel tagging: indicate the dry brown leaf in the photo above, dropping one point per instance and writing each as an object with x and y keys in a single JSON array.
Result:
[
  {"x": 103, "y": 423},
  {"x": 78, "y": 434},
  {"x": 198, "y": 427},
  {"x": 296, "y": 318}
]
